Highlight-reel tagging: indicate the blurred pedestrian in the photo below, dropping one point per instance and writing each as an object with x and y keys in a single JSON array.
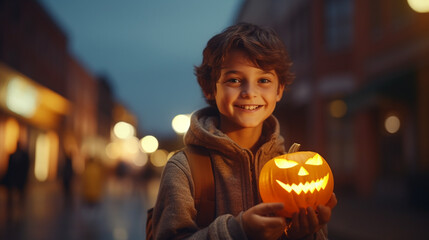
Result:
[
  {"x": 93, "y": 182},
  {"x": 17, "y": 176},
  {"x": 67, "y": 177},
  {"x": 121, "y": 169}
]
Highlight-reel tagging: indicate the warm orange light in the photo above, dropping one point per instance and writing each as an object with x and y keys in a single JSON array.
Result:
[
  {"x": 21, "y": 97},
  {"x": 46, "y": 156},
  {"x": 159, "y": 158},
  {"x": 113, "y": 150},
  {"x": 141, "y": 159},
  {"x": 149, "y": 144},
  {"x": 338, "y": 108},
  {"x": 181, "y": 123},
  {"x": 392, "y": 124},
  {"x": 25, "y": 97},
  {"x": 421, "y": 6},
  {"x": 130, "y": 146},
  {"x": 53, "y": 154},
  {"x": 11, "y": 135},
  {"x": 298, "y": 179},
  {"x": 284, "y": 163},
  {"x": 302, "y": 172},
  {"x": 41, "y": 162},
  {"x": 53, "y": 101},
  {"x": 123, "y": 130},
  {"x": 318, "y": 185},
  {"x": 315, "y": 161}
]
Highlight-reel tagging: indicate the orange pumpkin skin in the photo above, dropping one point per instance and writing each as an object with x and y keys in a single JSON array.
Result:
[{"x": 306, "y": 175}]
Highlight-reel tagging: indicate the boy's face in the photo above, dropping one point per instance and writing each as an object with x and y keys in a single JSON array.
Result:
[{"x": 245, "y": 94}]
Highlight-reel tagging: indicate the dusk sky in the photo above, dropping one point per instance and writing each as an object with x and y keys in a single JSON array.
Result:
[{"x": 147, "y": 48}]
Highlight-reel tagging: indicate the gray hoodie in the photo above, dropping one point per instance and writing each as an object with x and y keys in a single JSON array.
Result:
[{"x": 236, "y": 173}]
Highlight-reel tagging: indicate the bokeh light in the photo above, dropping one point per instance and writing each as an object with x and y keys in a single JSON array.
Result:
[
  {"x": 131, "y": 146},
  {"x": 21, "y": 97},
  {"x": 113, "y": 150},
  {"x": 123, "y": 130},
  {"x": 338, "y": 108},
  {"x": 180, "y": 123},
  {"x": 392, "y": 124},
  {"x": 170, "y": 154},
  {"x": 126, "y": 150},
  {"x": 421, "y": 6},
  {"x": 11, "y": 133},
  {"x": 141, "y": 159},
  {"x": 41, "y": 162},
  {"x": 45, "y": 164},
  {"x": 159, "y": 158},
  {"x": 149, "y": 144}
]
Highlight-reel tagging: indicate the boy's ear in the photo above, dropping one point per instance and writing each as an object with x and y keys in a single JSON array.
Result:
[
  {"x": 280, "y": 92},
  {"x": 209, "y": 96}
]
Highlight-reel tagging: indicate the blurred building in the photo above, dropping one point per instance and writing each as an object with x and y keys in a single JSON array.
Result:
[
  {"x": 80, "y": 129},
  {"x": 49, "y": 101},
  {"x": 33, "y": 70},
  {"x": 360, "y": 96},
  {"x": 105, "y": 114}
]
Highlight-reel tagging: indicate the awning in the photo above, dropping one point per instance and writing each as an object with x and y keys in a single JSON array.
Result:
[
  {"x": 21, "y": 96},
  {"x": 398, "y": 87}
]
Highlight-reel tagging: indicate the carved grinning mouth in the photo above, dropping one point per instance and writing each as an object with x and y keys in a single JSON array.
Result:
[{"x": 307, "y": 186}]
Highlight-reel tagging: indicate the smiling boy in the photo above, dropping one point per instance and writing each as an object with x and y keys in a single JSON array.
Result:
[
  {"x": 245, "y": 96},
  {"x": 244, "y": 72}
]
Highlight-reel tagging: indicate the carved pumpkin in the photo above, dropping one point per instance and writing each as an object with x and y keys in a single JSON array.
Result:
[{"x": 297, "y": 179}]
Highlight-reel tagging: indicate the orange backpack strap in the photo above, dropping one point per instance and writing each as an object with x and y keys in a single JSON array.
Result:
[{"x": 202, "y": 174}]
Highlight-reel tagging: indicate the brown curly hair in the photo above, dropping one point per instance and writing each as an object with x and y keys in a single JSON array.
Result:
[{"x": 262, "y": 45}]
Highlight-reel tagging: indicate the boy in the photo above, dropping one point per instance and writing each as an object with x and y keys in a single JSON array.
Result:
[{"x": 243, "y": 75}]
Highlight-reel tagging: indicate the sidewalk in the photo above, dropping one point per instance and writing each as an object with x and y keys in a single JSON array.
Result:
[
  {"x": 355, "y": 219},
  {"x": 46, "y": 215}
]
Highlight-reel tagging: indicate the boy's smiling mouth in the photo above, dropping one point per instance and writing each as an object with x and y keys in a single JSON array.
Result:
[{"x": 249, "y": 107}]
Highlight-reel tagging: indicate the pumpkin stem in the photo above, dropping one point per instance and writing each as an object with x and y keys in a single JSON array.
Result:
[{"x": 294, "y": 147}]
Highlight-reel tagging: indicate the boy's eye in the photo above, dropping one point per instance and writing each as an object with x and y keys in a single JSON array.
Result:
[
  {"x": 264, "y": 80},
  {"x": 233, "y": 80}
]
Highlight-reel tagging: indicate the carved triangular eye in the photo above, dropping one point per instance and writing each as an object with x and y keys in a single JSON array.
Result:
[
  {"x": 303, "y": 172},
  {"x": 316, "y": 160},
  {"x": 283, "y": 163}
]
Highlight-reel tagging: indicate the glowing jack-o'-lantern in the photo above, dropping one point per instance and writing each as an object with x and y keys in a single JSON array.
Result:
[{"x": 297, "y": 179}]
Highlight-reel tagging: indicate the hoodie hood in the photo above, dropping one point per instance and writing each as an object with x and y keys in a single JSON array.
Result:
[{"x": 204, "y": 132}]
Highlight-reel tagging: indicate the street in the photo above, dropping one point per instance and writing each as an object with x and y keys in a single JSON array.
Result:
[{"x": 46, "y": 214}]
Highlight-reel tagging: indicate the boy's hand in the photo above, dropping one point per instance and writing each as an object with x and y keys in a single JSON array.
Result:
[
  {"x": 262, "y": 222},
  {"x": 309, "y": 222}
]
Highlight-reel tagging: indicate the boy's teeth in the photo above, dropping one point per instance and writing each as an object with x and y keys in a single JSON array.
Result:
[{"x": 249, "y": 107}]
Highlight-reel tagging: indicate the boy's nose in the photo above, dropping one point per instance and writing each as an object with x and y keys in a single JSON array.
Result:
[{"x": 248, "y": 91}]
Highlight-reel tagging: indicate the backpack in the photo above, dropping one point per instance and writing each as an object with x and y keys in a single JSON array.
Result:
[{"x": 201, "y": 170}]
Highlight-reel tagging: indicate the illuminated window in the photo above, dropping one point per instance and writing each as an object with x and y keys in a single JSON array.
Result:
[{"x": 21, "y": 97}]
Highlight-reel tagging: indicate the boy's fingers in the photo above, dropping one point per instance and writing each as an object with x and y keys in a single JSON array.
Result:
[
  {"x": 324, "y": 214},
  {"x": 269, "y": 209},
  {"x": 332, "y": 201},
  {"x": 313, "y": 221},
  {"x": 304, "y": 225},
  {"x": 295, "y": 221}
]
